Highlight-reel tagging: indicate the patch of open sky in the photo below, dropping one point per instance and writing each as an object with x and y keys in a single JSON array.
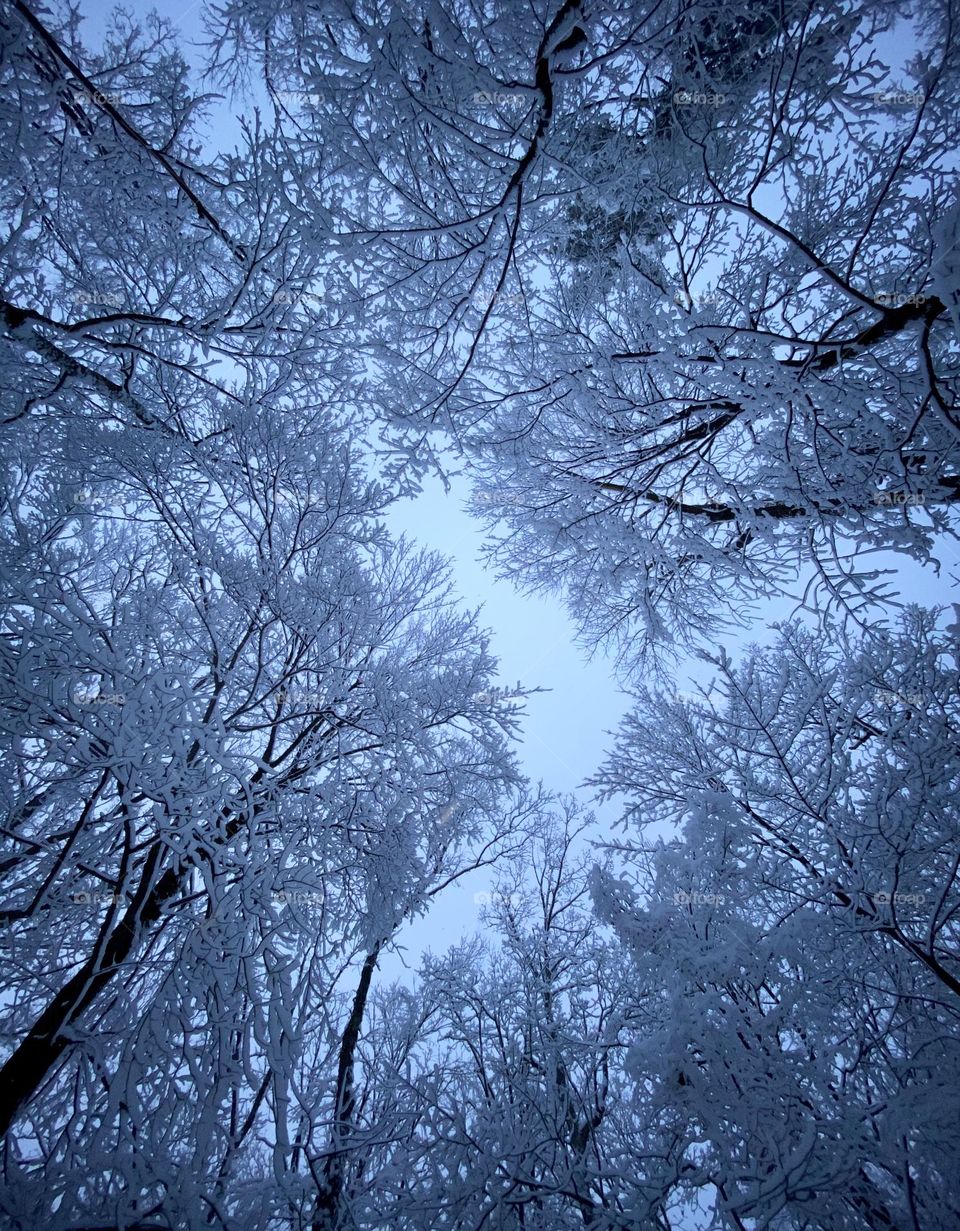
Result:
[{"x": 565, "y": 730}]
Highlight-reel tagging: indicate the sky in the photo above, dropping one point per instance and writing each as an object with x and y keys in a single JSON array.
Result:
[{"x": 566, "y": 730}]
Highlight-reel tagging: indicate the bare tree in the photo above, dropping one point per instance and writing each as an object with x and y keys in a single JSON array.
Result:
[
  {"x": 518, "y": 1111},
  {"x": 681, "y": 281},
  {"x": 801, "y": 929},
  {"x": 246, "y": 734}
]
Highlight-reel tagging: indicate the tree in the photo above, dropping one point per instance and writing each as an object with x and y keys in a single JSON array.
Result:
[
  {"x": 246, "y": 733},
  {"x": 801, "y": 930},
  {"x": 684, "y": 288},
  {"x": 145, "y": 281},
  {"x": 678, "y": 284},
  {"x": 515, "y": 1106},
  {"x": 211, "y": 699}
]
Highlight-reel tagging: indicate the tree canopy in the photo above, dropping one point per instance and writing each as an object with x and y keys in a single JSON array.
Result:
[{"x": 676, "y": 287}]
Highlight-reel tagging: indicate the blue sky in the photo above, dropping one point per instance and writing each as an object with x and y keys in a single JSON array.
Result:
[{"x": 565, "y": 732}]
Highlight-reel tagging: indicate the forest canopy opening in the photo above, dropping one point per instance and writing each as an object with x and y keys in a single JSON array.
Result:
[{"x": 669, "y": 295}]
